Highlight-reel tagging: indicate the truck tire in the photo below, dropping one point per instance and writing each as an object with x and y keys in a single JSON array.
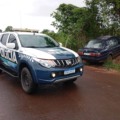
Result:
[
  {"x": 27, "y": 82},
  {"x": 0, "y": 71}
]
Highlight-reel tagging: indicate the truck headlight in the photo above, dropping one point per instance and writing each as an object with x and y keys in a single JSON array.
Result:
[
  {"x": 45, "y": 63},
  {"x": 79, "y": 59}
]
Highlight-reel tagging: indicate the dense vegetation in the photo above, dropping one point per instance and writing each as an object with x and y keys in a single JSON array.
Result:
[
  {"x": 77, "y": 25},
  {"x": 111, "y": 65}
]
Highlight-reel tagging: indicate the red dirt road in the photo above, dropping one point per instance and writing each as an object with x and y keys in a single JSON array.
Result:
[{"x": 95, "y": 96}]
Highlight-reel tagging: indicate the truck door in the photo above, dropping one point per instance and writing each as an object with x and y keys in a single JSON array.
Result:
[
  {"x": 12, "y": 55},
  {"x": 3, "y": 59}
]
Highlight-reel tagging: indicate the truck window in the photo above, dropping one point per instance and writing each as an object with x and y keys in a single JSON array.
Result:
[
  {"x": 0, "y": 37},
  {"x": 12, "y": 39},
  {"x": 4, "y": 39}
]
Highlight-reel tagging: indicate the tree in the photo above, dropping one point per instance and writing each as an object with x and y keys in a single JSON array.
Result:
[
  {"x": 50, "y": 33},
  {"x": 108, "y": 14},
  {"x": 76, "y": 23},
  {"x": 9, "y": 28},
  {"x": 59, "y": 36},
  {"x": 0, "y": 30},
  {"x": 80, "y": 24},
  {"x": 115, "y": 7},
  {"x": 66, "y": 17}
]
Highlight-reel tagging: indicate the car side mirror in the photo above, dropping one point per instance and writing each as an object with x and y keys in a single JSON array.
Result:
[
  {"x": 60, "y": 44},
  {"x": 10, "y": 45}
]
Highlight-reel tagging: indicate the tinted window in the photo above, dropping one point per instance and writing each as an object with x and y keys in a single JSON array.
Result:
[
  {"x": 112, "y": 42},
  {"x": 12, "y": 39},
  {"x": 118, "y": 40},
  {"x": 4, "y": 39},
  {"x": 95, "y": 44}
]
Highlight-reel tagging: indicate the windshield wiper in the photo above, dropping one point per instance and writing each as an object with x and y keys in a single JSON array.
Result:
[
  {"x": 31, "y": 46},
  {"x": 48, "y": 46}
]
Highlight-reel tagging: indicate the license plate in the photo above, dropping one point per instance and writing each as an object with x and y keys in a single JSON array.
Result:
[
  {"x": 86, "y": 53},
  {"x": 69, "y": 71}
]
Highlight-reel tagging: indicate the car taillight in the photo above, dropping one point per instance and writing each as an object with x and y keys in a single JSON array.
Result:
[
  {"x": 98, "y": 54},
  {"x": 80, "y": 53},
  {"x": 95, "y": 54}
]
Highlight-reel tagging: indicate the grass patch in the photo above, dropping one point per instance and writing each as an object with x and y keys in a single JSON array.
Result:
[{"x": 110, "y": 65}]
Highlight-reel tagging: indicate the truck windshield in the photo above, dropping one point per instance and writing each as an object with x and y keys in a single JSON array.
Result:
[
  {"x": 95, "y": 44},
  {"x": 37, "y": 41}
]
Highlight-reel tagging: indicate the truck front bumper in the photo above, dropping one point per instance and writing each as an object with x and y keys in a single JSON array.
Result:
[{"x": 55, "y": 75}]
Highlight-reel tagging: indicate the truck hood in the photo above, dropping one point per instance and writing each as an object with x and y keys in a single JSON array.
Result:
[{"x": 50, "y": 53}]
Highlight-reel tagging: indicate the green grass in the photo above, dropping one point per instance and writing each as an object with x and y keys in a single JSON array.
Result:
[{"x": 110, "y": 65}]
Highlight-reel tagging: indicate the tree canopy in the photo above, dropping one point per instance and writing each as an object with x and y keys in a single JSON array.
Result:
[
  {"x": 79, "y": 24},
  {"x": 9, "y": 28}
]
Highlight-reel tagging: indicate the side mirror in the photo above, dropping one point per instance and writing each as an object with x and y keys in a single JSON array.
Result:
[
  {"x": 60, "y": 44},
  {"x": 10, "y": 45}
]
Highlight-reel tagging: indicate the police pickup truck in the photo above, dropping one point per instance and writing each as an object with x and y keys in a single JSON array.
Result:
[{"x": 37, "y": 59}]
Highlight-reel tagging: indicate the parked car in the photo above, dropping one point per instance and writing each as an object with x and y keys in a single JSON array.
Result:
[
  {"x": 101, "y": 49},
  {"x": 37, "y": 59}
]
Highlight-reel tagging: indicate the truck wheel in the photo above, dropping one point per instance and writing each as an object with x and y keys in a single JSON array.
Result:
[
  {"x": 27, "y": 81},
  {"x": 70, "y": 81},
  {"x": 0, "y": 71}
]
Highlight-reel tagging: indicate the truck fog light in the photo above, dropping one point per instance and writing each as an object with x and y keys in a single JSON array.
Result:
[
  {"x": 81, "y": 69},
  {"x": 53, "y": 75}
]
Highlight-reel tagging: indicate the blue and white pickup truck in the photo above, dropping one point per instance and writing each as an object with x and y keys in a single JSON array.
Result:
[{"x": 37, "y": 59}]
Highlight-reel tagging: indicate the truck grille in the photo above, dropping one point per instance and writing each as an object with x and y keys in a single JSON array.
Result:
[{"x": 66, "y": 62}]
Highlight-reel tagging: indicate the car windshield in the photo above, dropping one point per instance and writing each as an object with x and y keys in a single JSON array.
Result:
[
  {"x": 95, "y": 44},
  {"x": 37, "y": 41}
]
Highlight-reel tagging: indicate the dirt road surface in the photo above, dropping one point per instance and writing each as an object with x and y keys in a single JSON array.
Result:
[{"x": 95, "y": 96}]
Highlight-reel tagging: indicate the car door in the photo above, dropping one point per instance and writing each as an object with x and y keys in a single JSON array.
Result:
[
  {"x": 118, "y": 39},
  {"x": 13, "y": 54},
  {"x": 114, "y": 46}
]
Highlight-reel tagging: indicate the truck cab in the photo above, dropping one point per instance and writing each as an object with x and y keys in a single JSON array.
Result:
[{"x": 37, "y": 59}]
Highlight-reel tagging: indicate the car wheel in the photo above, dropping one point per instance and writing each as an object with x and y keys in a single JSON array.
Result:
[
  {"x": 27, "y": 81},
  {"x": 109, "y": 58},
  {"x": 70, "y": 81}
]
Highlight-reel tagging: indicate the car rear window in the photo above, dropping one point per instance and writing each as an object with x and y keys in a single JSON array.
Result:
[
  {"x": 112, "y": 42},
  {"x": 95, "y": 44}
]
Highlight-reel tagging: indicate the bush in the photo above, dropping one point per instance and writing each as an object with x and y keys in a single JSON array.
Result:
[{"x": 110, "y": 65}]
